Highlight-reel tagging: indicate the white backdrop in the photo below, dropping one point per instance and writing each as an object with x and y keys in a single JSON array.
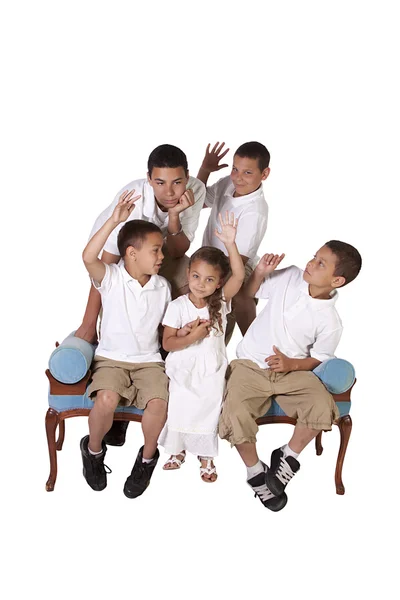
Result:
[{"x": 89, "y": 89}]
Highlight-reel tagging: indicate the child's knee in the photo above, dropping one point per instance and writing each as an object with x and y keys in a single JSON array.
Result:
[
  {"x": 157, "y": 407},
  {"x": 107, "y": 399}
]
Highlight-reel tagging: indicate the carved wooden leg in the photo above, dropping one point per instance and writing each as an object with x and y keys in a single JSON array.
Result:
[
  {"x": 345, "y": 425},
  {"x": 61, "y": 434},
  {"x": 318, "y": 444},
  {"x": 51, "y": 426}
]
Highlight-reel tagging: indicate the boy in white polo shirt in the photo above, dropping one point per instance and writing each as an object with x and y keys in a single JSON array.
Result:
[
  {"x": 170, "y": 199},
  {"x": 128, "y": 367},
  {"x": 242, "y": 194},
  {"x": 297, "y": 330}
]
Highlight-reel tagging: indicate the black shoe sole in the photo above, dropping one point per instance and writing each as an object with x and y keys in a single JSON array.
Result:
[
  {"x": 134, "y": 491},
  {"x": 276, "y": 504},
  {"x": 96, "y": 488},
  {"x": 273, "y": 485}
]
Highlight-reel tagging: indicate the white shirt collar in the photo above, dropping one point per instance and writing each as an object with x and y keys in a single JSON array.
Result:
[
  {"x": 154, "y": 281},
  {"x": 318, "y": 303},
  {"x": 230, "y": 190}
]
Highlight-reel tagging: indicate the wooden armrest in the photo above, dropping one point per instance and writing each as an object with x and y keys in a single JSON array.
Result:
[{"x": 68, "y": 389}]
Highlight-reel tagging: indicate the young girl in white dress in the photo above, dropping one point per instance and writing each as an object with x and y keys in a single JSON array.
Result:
[{"x": 194, "y": 336}]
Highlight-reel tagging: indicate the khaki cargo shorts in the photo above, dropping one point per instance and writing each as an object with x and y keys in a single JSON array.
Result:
[
  {"x": 248, "y": 396},
  {"x": 136, "y": 383}
]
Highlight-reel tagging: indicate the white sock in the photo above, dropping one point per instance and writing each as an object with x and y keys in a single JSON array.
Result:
[
  {"x": 147, "y": 460},
  {"x": 255, "y": 470},
  {"x": 94, "y": 453},
  {"x": 287, "y": 451}
]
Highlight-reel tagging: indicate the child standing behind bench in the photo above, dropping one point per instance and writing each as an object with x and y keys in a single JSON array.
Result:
[
  {"x": 242, "y": 194},
  {"x": 128, "y": 367}
]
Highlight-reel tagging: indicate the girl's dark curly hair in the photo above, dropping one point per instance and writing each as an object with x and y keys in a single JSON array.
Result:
[{"x": 215, "y": 258}]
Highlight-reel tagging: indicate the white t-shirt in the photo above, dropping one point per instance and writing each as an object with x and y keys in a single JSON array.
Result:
[
  {"x": 146, "y": 208},
  {"x": 251, "y": 210},
  {"x": 131, "y": 315},
  {"x": 297, "y": 324}
]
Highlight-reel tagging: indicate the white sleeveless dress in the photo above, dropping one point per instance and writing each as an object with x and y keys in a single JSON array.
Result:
[{"x": 197, "y": 384}]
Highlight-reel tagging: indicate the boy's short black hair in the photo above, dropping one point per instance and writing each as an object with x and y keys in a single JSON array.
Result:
[
  {"x": 255, "y": 150},
  {"x": 348, "y": 260},
  {"x": 167, "y": 156},
  {"x": 133, "y": 233}
]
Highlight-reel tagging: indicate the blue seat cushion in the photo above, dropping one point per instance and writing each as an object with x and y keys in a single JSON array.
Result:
[{"x": 336, "y": 374}]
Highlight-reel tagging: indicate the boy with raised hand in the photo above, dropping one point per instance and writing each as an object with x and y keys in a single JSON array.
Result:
[
  {"x": 297, "y": 330},
  {"x": 128, "y": 367},
  {"x": 241, "y": 193},
  {"x": 170, "y": 199}
]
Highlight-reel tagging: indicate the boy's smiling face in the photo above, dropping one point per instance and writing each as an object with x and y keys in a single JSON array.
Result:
[
  {"x": 147, "y": 258},
  {"x": 168, "y": 184},
  {"x": 246, "y": 175},
  {"x": 320, "y": 270}
]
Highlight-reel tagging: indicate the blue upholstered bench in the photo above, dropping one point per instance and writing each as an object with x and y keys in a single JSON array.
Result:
[{"x": 69, "y": 374}]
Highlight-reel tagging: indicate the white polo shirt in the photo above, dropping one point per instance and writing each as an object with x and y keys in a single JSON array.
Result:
[
  {"x": 297, "y": 324},
  {"x": 251, "y": 210},
  {"x": 131, "y": 315},
  {"x": 146, "y": 208}
]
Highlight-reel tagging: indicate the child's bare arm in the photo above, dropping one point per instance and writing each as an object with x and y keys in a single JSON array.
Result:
[
  {"x": 173, "y": 341},
  {"x": 211, "y": 161},
  {"x": 123, "y": 209},
  {"x": 227, "y": 235},
  {"x": 265, "y": 267}
]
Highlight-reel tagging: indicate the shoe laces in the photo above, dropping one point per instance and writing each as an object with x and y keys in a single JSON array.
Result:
[
  {"x": 284, "y": 472},
  {"x": 263, "y": 492},
  {"x": 99, "y": 467}
]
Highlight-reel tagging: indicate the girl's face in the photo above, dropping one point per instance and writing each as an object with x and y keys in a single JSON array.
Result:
[{"x": 204, "y": 279}]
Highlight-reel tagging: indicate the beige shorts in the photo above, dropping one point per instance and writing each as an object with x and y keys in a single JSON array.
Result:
[
  {"x": 136, "y": 383},
  {"x": 300, "y": 394}
]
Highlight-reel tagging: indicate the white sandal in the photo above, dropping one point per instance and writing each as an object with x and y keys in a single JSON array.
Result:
[
  {"x": 174, "y": 460},
  {"x": 208, "y": 470}
]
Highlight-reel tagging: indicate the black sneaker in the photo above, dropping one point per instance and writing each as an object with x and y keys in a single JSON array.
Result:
[
  {"x": 261, "y": 491},
  {"x": 94, "y": 469},
  {"x": 281, "y": 471},
  {"x": 116, "y": 435},
  {"x": 140, "y": 476}
]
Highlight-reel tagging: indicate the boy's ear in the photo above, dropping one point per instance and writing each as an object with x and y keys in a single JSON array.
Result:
[
  {"x": 148, "y": 177},
  {"x": 338, "y": 282},
  {"x": 131, "y": 252},
  {"x": 265, "y": 173}
]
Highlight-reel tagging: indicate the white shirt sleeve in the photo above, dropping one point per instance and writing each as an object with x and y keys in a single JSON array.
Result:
[
  {"x": 325, "y": 345},
  {"x": 109, "y": 280},
  {"x": 270, "y": 282},
  {"x": 173, "y": 317},
  {"x": 250, "y": 233},
  {"x": 211, "y": 194},
  {"x": 190, "y": 217}
]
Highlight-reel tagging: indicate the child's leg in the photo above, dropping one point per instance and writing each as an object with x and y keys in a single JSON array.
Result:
[
  {"x": 208, "y": 472},
  {"x": 153, "y": 420},
  {"x": 306, "y": 399},
  {"x": 101, "y": 417},
  {"x": 245, "y": 311}
]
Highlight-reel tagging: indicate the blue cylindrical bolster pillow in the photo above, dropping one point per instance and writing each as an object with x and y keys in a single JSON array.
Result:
[
  {"x": 336, "y": 374},
  {"x": 71, "y": 360}
]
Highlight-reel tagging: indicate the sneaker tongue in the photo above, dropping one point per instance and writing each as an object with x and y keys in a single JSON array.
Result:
[
  {"x": 257, "y": 480},
  {"x": 293, "y": 463}
]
